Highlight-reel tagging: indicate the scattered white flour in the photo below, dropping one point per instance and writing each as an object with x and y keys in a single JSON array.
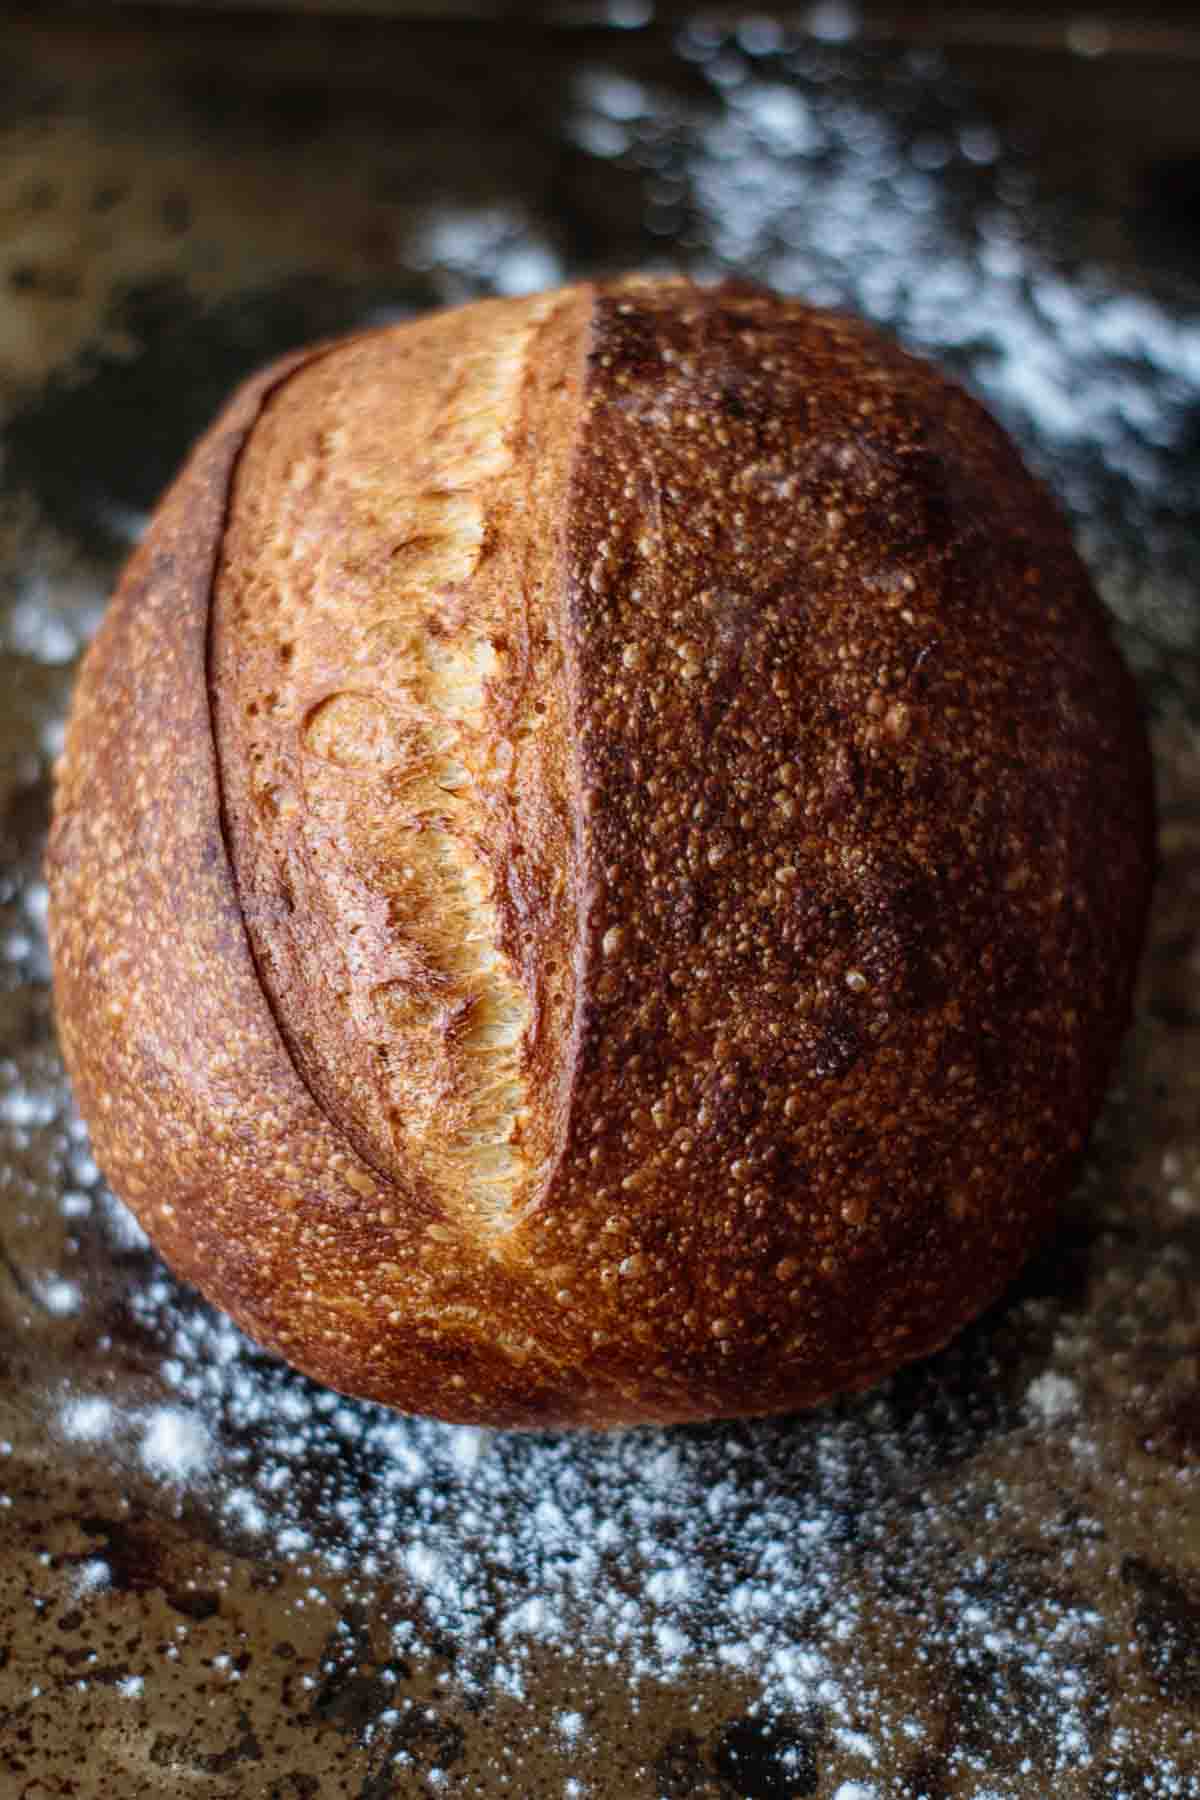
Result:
[
  {"x": 87, "y": 1420},
  {"x": 92, "y": 1576},
  {"x": 454, "y": 241},
  {"x": 60, "y": 1297},
  {"x": 832, "y": 21},
  {"x": 771, "y": 1550},
  {"x": 799, "y": 179},
  {"x": 24, "y": 1107},
  {"x": 53, "y": 614},
  {"x": 1052, "y": 1397},
  {"x": 176, "y": 1444}
]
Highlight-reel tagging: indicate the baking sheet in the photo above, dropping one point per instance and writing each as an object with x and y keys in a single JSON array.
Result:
[{"x": 983, "y": 1580}]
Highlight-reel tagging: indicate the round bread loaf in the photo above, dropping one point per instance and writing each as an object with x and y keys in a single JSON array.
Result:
[{"x": 599, "y": 860}]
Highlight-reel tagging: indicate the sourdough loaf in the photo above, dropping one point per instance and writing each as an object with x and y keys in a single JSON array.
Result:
[{"x": 599, "y": 860}]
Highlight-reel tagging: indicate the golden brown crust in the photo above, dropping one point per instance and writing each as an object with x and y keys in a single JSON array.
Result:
[
  {"x": 198, "y": 1115},
  {"x": 392, "y": 736},
  {"x": 833, "y": 834}
]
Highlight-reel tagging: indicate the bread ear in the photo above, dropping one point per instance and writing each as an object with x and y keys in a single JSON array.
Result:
[
  {"x": 395, "y": 744},
  {"x": 600, "y": 858}
]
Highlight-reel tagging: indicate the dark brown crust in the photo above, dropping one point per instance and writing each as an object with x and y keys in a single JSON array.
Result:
[
  {"x": 863, "y": 852},
  {"x": 871, "y": 814}
]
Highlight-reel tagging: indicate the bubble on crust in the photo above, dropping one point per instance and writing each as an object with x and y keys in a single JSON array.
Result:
[
  {"x": 416, "y": 1022},
  {"x": 353, "y": 731}
]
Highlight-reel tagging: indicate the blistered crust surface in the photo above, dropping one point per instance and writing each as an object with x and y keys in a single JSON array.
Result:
[
  {"x": 866, "y": 821},
  {"x": 388, "y": 702},
  {"x": 198, "y": 1113}
]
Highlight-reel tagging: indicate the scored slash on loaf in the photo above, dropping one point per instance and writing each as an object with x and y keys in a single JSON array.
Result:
[{"x": 599, "y": 859}]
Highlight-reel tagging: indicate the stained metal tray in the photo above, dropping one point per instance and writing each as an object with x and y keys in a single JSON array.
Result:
[{"x": 983, "y": 1580}]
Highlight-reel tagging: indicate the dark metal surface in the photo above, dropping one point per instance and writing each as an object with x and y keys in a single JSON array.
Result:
[{"x": 984, "y": 1581}]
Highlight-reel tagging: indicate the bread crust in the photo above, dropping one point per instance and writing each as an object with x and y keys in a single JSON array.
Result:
[
  {"x": 815, "y": 886},
  {"x": 392, "y": 731}
]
